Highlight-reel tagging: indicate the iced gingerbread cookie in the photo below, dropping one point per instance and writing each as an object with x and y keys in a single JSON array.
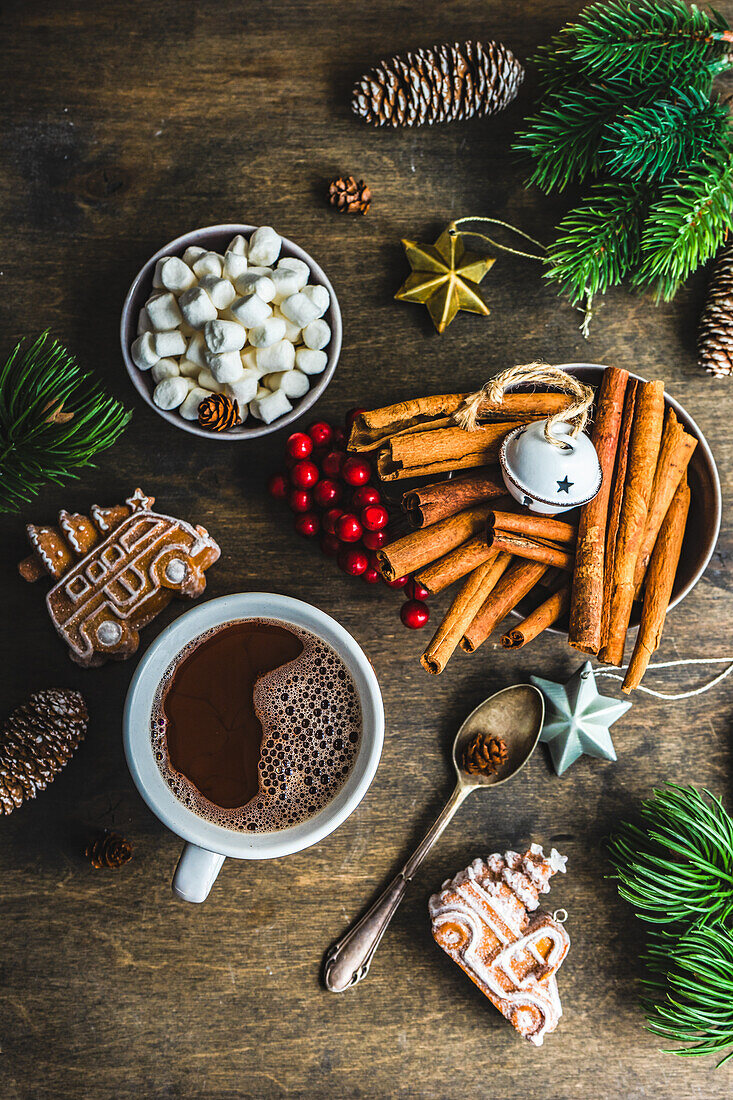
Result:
[
  {"x": 114, "y": 571},
  {"x": 481, "y": 918}
]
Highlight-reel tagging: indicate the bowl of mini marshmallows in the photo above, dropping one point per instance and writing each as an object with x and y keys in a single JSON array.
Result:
[{"x": 231, "y": 332}]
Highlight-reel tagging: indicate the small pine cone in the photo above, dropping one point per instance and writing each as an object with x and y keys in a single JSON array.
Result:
[
  {"x": 715, "y": 334},
  {"x": 109, "y": 850},
  {"x": 349, "y": 196},
  {"x": 443, "y": 84},
  {"x": 218, "y": 412},
  {"x": 37, "y": 740},
  {"x": 484, "y": 755}
]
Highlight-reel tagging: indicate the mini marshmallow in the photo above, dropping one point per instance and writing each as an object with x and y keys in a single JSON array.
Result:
[
  {"x": 207, "y": 381},
  {"x": 208, "y": 263},
  {"x": 292, "y": 332},
  {"x": 290, "y": 263},
  {"x": 196, "y": 349},
  {"x": 169, "y": 343},
  {"x": 290, "y": 382},
  {"x": 269, "y": 408},
  {"x": 224, "y": 336},
  {"x": 143, "y": 322},
  {"x": 170, "y": 393},
  {"x": 268, "y": 333},
  {"x": 226, "y": 367},
  {"x": 196, "y": 307},
  {"x": 259, "y": 270},
  {"x": 165, "y": 368},
  {"x": 175, "y": 275},
  {"x": 189, "y": 369},
  {"x": 264, "y": 246},
  {"x": 279, "y": 356},
  {"x": 319, "y": 296},
  {"x": 250, "y": 310},
  {"x": 186, "y": 330},
  {"x": 157, "y": 281},
  {"x": 163, "y": 312},
  {"x": 244, "y": 389},
  {"x": 310, "y": 362},
  {"x": 316, "y": 335},
  {"x": 249, "y": 362},
  {"x": 239, "y": 245},
  {"x": 253, "y": 283},
  {"x": 189, "y": 410},
  {"x": 234, "y": 265},
  {"x": 221, "y": 291},
  {"x": 299, "y": 309},
  {"x": 262, "y": 391},
  {"x": 192, "y": 254},
  {"x": 143, "y": 351},
  {"x": 287, "y": 282}
]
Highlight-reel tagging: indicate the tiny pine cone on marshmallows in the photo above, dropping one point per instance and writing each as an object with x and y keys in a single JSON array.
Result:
[
  {"x": 218, "y": 412},
  {"x": 349, "y": 196}
]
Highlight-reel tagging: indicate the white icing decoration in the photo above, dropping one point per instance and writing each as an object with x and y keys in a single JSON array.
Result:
[
  {"x": 109, "y": 633},
  {"x": 175, "y": 570}
]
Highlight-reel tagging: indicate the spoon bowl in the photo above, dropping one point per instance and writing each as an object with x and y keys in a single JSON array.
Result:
[{"x": 516, "y": 715}]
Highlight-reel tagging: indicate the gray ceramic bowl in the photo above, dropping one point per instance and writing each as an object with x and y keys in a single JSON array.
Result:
[
  {"x": 215, "y": 238},
  {"x": 703, "y": 522}
]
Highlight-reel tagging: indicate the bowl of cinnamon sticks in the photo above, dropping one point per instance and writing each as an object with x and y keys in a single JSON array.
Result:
[{"x": 620, "y": 562}]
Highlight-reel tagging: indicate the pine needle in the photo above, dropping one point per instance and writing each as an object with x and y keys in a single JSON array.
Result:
[{"x": 53, "y": 420}]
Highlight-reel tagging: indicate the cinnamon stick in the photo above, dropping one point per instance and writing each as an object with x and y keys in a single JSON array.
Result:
[
  {"x": 586, "y": 604},
  {"x": 646, "y": 436},
  {"x": 455, "y": 564},
  {"x": 519, "y": 578},
  {"x": 433, "y": 502},
  {"x": 614, "y": 508},
  {"x": 659, "y": 584},
  {"x": 538, "y": 620},
  {"x": 533, "y": 549},
  {"x": 419, "y": 548},
  {"x": 460, "y": 614},
  {"x": 674, "y": 457},
  {"x": 435, "y": 452},
  {"x": 531, "y": 526}
]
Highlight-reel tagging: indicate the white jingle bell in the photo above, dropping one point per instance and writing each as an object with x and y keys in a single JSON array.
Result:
[{"x": 550, "y": 477}]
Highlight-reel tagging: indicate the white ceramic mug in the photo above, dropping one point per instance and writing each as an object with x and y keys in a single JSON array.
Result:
[{"x": 208, "y": 844}]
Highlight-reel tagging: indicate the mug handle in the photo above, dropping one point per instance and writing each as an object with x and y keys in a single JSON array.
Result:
[{"x": 196, "y": 873}]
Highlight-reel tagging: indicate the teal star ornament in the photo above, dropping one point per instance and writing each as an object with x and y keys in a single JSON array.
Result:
[{"x": 578, "y": 718}]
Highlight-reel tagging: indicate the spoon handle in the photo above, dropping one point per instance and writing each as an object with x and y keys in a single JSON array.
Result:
[{"x": 348, "y": 960}]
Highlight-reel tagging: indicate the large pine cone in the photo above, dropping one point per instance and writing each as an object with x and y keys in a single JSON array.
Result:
[
  {"x": 442, "y": 84},
  {"x": 715, "y": 335},
  {"x": 37, "y": 740}
]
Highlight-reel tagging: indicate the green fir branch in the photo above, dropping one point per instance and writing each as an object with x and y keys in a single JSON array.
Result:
[
  {"x": 649, "y": 142},
  {"x": 53, "y": 420},
  {"x": 686, "y": 225}
]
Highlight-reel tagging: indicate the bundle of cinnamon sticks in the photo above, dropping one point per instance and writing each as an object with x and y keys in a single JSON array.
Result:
[{"x": 623, "y": 545}]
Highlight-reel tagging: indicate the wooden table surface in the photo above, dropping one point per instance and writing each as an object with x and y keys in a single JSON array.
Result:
[{"x": 125, "y": 125}]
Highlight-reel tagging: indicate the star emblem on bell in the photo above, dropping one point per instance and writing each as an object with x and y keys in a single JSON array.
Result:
[
  {"x": 445, "y": 277},
  {"x": 564, "y": 486}
]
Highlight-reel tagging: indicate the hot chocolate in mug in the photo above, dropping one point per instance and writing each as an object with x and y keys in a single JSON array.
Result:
[{"x": 208, "y": 842}]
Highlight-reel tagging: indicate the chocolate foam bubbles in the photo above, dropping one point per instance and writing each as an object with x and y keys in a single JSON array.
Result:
[{"x": 311, "y": 722}]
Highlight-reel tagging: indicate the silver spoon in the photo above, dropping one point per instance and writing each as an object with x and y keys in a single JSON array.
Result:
[{"x": 515, "y": 714}]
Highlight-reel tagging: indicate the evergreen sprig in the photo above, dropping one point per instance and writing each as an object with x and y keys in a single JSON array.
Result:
[{"x": 53, "y": 420}]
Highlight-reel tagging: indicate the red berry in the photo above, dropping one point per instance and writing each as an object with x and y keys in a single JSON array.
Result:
[
  {"x": 277, "y": 486},
  {"x": 356, "y": 471},
  {"x": 307, "y": 524},
  {"x": 365, "y": 494},
  {"x": 330, "y": 545},
  {"x": 348, "y": 528},
  {"x": 326, "y": 493},
  {"x": 304, "y": 475},
  {"x": 416, "y": 591},
  {"x": 329, "y": 520},
  {"x": 300, "y": 500},
  {"x": 331, "y": 464},
  {"x": 353, "y": 561},
  {"x": 352, "y": 415},
  {"x": 374, "y": 517},
  {"x": 339, "y": 438},
  {"x": 321, "y": 433},
  {"x": 374, "y": 540},
  {"x": 414, "y": 613},
  {"x": 299, "y": 445},
  {"x": 398, "y": 582},
  {"x": 372, "y": 575}
]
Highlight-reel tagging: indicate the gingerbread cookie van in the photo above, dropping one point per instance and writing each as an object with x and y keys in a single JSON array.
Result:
[
  {"x": 481, "y": 918},
  {"x": 114, "y": 571}
]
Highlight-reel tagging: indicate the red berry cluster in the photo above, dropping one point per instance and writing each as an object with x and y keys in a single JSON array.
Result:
[{"x": 331, "y": 495}]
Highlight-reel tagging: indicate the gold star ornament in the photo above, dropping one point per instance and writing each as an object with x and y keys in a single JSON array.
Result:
[{"x": 445, "y": 277}]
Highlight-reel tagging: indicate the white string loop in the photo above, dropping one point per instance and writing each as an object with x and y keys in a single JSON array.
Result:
[{"x": 609, "y": 675}]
